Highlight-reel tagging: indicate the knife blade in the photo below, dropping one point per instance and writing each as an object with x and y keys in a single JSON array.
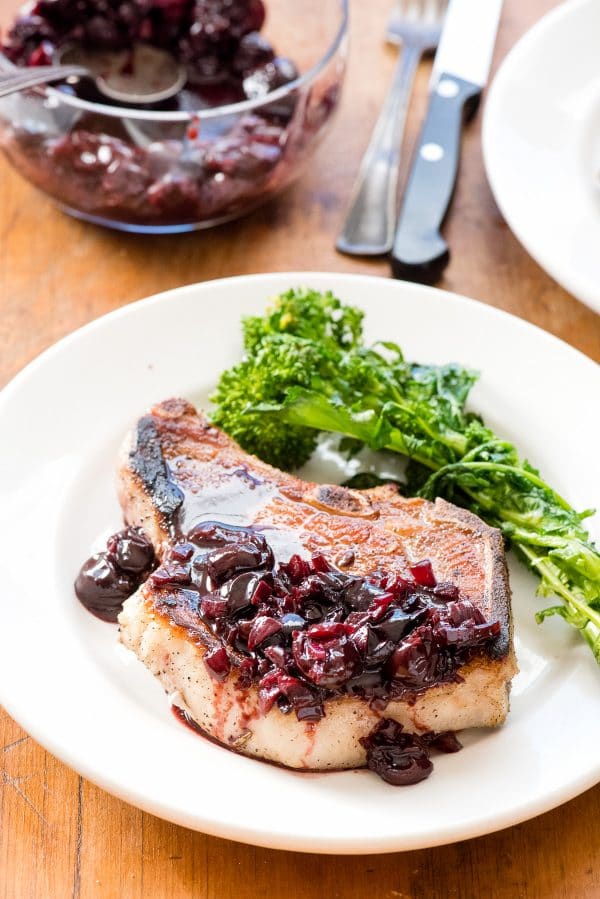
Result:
[{"x": 460, "y": 71}]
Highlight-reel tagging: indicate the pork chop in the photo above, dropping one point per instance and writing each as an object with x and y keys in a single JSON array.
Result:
[{"x": 237, "y": 538}]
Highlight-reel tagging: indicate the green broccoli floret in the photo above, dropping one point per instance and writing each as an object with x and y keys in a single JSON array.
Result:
[
  {"x": 306, "y": 370},
  {"x": 299, "y": 343},
  {"x": 308, "y": 314},
  {"x": 262, "y": 380}
]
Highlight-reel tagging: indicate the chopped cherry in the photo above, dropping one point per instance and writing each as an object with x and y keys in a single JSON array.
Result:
[
  {"x": 262, "y": 628},
  {"x": 217, "y": 662},
  {"x": 423, "y": 573}
]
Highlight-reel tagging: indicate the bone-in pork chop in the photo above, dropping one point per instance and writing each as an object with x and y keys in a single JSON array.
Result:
[{"x": 287, "y": 618}]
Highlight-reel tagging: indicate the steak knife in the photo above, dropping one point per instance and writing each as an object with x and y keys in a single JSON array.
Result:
[{"x": 460, "y": 71}]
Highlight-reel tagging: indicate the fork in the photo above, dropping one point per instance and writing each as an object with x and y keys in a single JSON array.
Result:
[{"x": 370, "y": 224}]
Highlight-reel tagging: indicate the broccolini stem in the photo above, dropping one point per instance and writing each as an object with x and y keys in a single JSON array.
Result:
[{"x": 583, "y": 609}]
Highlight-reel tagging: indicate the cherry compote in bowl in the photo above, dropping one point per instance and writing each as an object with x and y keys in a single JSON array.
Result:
[{"x": 263, "y": 81}]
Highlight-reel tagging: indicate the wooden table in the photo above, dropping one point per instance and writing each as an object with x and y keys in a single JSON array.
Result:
[{"x": 59, "y": 835}]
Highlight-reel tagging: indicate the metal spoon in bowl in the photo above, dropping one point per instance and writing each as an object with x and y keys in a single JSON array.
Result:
[{"x": 135, "y": 77}]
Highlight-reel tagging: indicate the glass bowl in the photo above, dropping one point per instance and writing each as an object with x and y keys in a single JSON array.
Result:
[{"x": 157, "y": 171}]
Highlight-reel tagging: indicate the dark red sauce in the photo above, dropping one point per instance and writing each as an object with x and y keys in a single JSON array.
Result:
[
  {"x": 401, "y": 758},
  {"x": 107, "y": 578}
]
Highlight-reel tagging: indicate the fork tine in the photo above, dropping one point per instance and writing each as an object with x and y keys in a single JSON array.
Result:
[
  {"x": 437, "y": 10},
  {"x": 420, "y": 9},
  {"x": 407, "y": 13},
  {"x": 404, "y": 8},
  {"x": 416, "y": 21},
  {"x": 430, "y": 14}
]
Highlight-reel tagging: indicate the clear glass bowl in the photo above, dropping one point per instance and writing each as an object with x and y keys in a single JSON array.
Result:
[{"x": 160, "y": 171}]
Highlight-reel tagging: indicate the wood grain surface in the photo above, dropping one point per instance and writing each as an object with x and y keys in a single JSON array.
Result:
[{"x": 59, "y": 835}]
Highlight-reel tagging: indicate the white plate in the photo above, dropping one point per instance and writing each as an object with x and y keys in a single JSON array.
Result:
[
  {"x": 64, "y": 677},
  {"x": 541, "y": 144}
]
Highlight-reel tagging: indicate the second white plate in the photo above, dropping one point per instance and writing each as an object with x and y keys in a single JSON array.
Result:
[
  {"x": 541, "y": 143},
  {"x": 66, "y": 680}
]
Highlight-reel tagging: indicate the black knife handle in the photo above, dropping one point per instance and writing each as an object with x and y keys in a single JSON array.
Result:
[{"x": 420, "y": 252}]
